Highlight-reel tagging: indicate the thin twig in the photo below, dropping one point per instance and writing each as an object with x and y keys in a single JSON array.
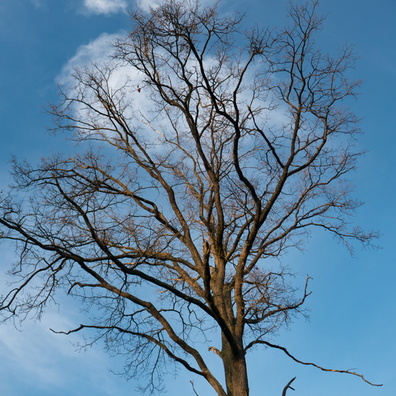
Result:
[
  {"x": 192, "y": 384},
  {"x": 288, "y": 387}
]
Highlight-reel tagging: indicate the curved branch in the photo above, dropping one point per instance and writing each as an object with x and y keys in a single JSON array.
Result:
[
  {"x": 313, "y": 364},
  {"x": 134, "y": 333}
]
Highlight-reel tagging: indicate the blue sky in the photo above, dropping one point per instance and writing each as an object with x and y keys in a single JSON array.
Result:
[{"x": 352, "y": 315}]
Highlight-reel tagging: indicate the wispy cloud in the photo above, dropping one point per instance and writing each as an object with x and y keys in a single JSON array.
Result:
[
  {"x": 105, "y": 6},
  {"x": 147, "y": 4},
  {"x": 99, "y": 53},
  {"x": 37, "y": 3},
  {"x": 96, "y": 51},
  {"x": 35, "y": 359}
]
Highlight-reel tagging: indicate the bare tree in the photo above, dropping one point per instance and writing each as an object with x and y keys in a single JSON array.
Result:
[{"x": 172, "y": 223}]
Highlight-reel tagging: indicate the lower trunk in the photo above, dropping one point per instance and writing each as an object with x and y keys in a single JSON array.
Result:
[{"x": 235, "y": 370}]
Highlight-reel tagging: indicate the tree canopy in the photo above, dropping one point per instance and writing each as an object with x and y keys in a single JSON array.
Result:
[{"x": 207, "y": 152}]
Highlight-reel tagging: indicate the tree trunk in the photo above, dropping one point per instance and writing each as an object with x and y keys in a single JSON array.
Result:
[{"x": 235, "y": 370}]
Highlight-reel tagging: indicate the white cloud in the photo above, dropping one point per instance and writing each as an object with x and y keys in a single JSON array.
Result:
[
  {"x": 97, "y": 51},
  {"x": 123, "y": 81},
  {"x": 147, "y": 4},
  {"x": 105, "y": 6},
  {"x": 100, "y": 53}
]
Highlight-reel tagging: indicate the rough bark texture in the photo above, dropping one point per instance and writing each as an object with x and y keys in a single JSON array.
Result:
[{"x": 235, "y": 369}]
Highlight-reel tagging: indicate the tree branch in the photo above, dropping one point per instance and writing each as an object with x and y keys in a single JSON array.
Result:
[{"x": 313, "y": 364}]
